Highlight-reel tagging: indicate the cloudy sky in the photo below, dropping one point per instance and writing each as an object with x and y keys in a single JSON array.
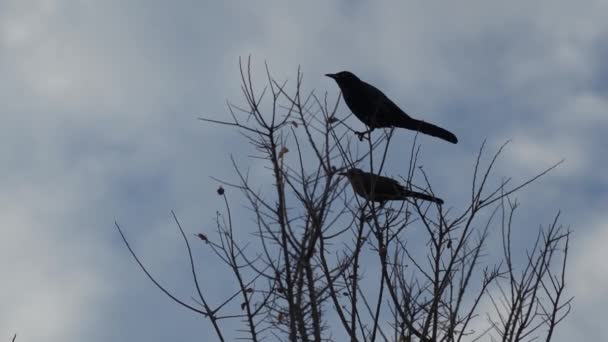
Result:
[{"x": 99, "y": 101}]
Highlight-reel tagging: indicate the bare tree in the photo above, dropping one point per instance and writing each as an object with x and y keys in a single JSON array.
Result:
[{"x": 324, "y": 264}]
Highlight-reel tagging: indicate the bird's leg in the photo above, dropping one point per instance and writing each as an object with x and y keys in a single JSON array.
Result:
[
  {"x": 374, "y": 211},
  {"x": 369, "y": 216},
  {"x": 361, "y": 135}
]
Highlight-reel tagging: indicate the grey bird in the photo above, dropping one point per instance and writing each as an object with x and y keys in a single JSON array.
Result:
[
  {"x": 377, "y": 188},
  {"x": 376, "y": 110}
]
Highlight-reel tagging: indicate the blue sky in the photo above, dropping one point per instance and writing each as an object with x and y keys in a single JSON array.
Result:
[{"x": 99, "y": 106}]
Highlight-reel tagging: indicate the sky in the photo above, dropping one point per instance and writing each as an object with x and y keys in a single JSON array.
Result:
[{"x": 98, "y": 123}]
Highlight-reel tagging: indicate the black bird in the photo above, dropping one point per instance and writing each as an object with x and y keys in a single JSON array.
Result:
[
  {"x": 377, "y": 188},
  {"x": 376, "y": 110}
]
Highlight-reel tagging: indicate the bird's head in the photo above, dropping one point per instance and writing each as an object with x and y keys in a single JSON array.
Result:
[
  {"x": 343, "y": 77},
  {"x": 351, "y": 173}
]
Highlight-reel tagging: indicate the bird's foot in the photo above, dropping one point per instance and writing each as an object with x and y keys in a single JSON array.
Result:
[
  {"x": 362, "y": 135},
  {"x": 373, "y": 213}
]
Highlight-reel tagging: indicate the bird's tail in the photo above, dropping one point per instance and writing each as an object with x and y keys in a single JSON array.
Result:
[
  {"x": 430, "y": 129},
  {"x": 424, "y": 197}
]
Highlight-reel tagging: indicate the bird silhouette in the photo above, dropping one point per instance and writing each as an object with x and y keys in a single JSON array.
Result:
[
  {"x": 376, "y": 110},
  {"x": 377, "y": 188}
]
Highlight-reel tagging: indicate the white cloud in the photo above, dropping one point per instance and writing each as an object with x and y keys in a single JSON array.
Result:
[
  {"x": 587, "y": 281},
  {"x": 99, "y": 101},
  {"x": 588, "y": 269}
]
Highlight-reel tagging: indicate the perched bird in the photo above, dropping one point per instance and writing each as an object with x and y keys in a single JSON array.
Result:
[
  {"x": 381, "y": 189},
  {"x": 376, "y": 110}
]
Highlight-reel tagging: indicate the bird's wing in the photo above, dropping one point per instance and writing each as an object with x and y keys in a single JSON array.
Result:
[
  {"x": 423, "y": 196},
  {"x": 369, "y": 91},
  {"x": 386, "y": 181},
  {"x": 383, "y": 110},
  {"x": 369, "y": 100},
  {"x": 388, "y": 186},
  {"x": 392, "y": 113}
]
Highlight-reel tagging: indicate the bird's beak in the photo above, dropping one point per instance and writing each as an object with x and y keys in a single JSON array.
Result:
[
  {"x": 331, "y": 76},
  {"x": 343, "y": 173}
]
